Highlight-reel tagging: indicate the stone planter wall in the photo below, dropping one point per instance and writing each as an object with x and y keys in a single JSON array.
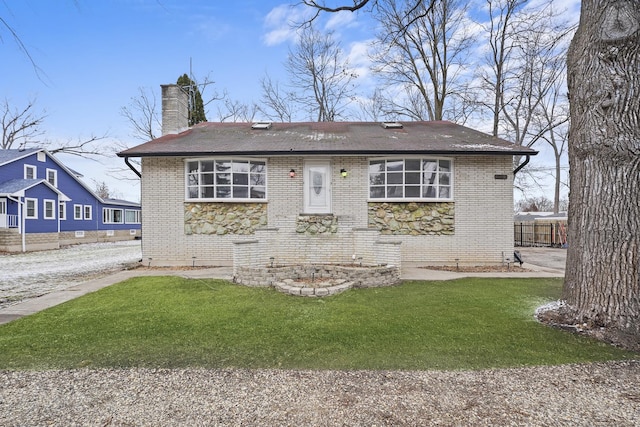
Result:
[
  {"x": 224, "y": 218},
  {"x": 413, "y": 218},
  {"x": 337, "y": 278},
  {"x": 316, "y": 224}
]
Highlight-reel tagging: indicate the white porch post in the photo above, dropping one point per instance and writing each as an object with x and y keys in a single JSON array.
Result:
[{"x": 22, "y": 220}]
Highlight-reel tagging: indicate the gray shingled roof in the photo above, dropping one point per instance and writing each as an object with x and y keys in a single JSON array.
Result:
[
  {"x": 15, "y": 185},
  {"x": 327, "y": 138},
  {"x": 9, "y": 155}
]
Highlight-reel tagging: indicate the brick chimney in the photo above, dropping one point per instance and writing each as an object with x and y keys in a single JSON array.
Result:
[{"x": 175, "y": 109}]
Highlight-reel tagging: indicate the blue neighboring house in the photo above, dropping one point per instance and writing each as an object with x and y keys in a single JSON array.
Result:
[{"x": 45, "y": 205}]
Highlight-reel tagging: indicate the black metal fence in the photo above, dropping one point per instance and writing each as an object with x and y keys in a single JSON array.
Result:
[{"x": 551, "y": 234}]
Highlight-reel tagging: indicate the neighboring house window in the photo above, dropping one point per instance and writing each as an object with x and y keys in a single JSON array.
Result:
[
  {"x": 411, "y": 178},
  {"x": 87, "y": 211},
  {"x": 41, "y": 156},
  {"x": 217, "y": 179},
  {"x": 52, "y": 177},
  {"x": 62, "y": 211},
  {"x": 49, "y": 209},
  {"x": 32, "y": 208},
  {"x": 77, "y": 212},
  {"x": 132, "y": 216},
  {"x": 112, "y": 216},
  {"x": 30, "y": 172}
]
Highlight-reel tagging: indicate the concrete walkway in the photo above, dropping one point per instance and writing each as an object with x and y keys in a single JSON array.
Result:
[{"x": 43, "y": 302}]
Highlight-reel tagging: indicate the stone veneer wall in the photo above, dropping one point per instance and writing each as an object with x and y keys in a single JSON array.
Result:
[
  {"x": 316, "y": 224},
  {"x": 413, "y": 218},
  {"x": 224, "y": 218}
]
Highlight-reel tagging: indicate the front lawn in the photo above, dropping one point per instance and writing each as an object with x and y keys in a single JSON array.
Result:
[{"x": 170, "y": 322}]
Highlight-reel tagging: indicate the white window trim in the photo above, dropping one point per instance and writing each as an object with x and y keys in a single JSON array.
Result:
[
  {"x": 55, "y": 177},
  {"x": 35, "y": 171},
  {"x": 77, "y": 212},
  {"x": 41, "y": 156},
  {"x": 138, "y": 215},
  {"x": 87, "y": 212},
  {"x": 413, "y": 199},
  {"x": 46, "y": 202},
  {"x": 223, "y": 199},
  {"x": 62, "y": 210},
  {"x": 26, "y": 209},
  {"x": 107, "y": 216}
]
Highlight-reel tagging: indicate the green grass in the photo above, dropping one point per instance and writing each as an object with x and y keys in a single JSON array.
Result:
[{"x": 173, "y": 322}]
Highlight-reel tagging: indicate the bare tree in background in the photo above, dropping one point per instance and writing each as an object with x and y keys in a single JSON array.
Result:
[
  {"x": 500, "y": 30},
  {"x": 553, "y": 115},
  {"x": 19, "y": 125},
  {"x": 276, "y": 103},
  {"x": 522, "y": 84},
  {"x": 319, "y": 75},
  {"x": 142, "y": 115},
  {"x": 424, "y": 59},
  {"x": 537, "y": 63},
  {"x": 236, "y": 111},
  {"x": 372, "y": 6},
  {"x": 375, "y": 107}
]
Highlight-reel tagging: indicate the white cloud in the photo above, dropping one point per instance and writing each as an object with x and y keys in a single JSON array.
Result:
[
  {"x": 341, "y": 20},
  {"x": 281, "y": 23},
  {"x": 359, "y": 60}
]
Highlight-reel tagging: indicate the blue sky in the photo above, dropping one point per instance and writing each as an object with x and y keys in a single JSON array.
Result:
[{"x": 94, "y": 55}]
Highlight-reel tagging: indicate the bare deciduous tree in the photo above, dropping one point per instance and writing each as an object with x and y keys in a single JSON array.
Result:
[
  {"x": 236, "y": 111},
  {"x": 142, "y": 115},
  {"x": 374, "y": 5},
  {"x": 320, "y": 75},
  {"x": 500, "y": 30},
  {"x": 424, "y": 59},
  {"x": 277, "y": 104},
  {"x": 19, "y": 125}
]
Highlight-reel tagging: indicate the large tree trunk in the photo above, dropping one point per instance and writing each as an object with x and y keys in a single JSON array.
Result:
[{"x": 602, "y": 285}]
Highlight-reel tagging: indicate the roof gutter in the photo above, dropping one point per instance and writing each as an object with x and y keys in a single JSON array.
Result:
[
  {"x": 126, "y": 160},
  {"x": 521, "y": 165}
]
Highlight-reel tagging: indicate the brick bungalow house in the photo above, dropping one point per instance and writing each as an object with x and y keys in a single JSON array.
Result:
[{"x": 381, "y": 193}]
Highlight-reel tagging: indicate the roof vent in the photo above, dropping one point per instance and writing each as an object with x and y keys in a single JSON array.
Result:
[
  {"x": 261, "y": 125},
  {"x": 392, "y": 125}
]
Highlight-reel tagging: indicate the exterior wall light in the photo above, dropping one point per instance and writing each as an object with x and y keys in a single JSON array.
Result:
[
  {"x": 343, "y": 172},
  {"x": 292, "y": 173}
]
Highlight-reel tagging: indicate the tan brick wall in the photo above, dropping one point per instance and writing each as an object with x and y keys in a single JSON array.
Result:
[{"x": 483, "y": 217}]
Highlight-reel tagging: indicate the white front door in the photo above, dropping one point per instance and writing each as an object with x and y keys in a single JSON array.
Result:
[
  {"x": 3, "y": 213},
  {"x": 317, "y": 186}
]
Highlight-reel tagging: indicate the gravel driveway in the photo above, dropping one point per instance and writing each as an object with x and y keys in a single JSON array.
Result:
[
  {"x": 31, "y": 274},
  {"x": 599, "y": 394}
]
